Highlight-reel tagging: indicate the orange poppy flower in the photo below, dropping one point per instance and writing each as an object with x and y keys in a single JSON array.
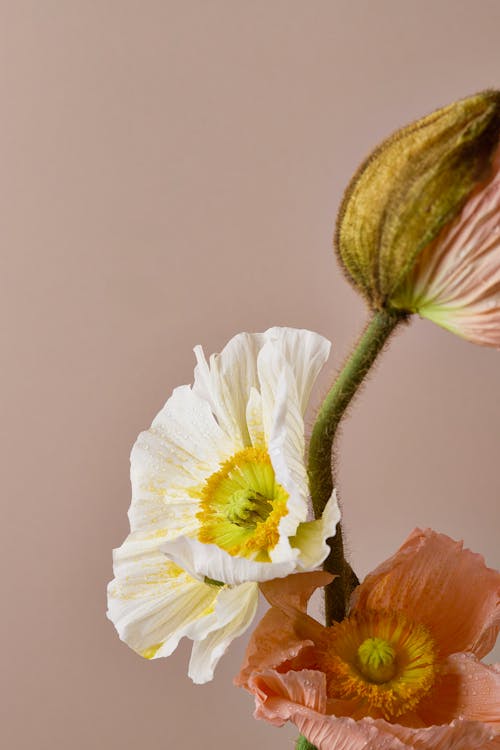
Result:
[{"x": 403, "y": 670}]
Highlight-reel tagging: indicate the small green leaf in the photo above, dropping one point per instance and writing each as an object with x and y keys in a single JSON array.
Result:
[{"x": 303, "y": 744}]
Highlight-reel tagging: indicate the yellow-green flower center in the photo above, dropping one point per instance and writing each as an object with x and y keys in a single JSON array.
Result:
[
  {"x": 380, "y": 660},
  {"x": 242, "y": 504},
  {"x": 247, "y": 508},
  {"x": 377, "y": 660}
]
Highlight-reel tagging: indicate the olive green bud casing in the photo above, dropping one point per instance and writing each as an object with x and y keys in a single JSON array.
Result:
[{"x": 409, "y": 188}]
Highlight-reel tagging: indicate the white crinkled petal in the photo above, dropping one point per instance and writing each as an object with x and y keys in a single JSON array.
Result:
[
  {"x": 255, "y": 423},
  {"x": 188, "y": 427},
  {"x": 181, "y": 449},
  {"x": 305, "y": 352},
  {"x": 288, "y": 366},
  {"x": 210, "y": 561},
  {"x": 234, "y": 611},
  {"x": 311, "y": 536},
  {"x": 152, "y": 603},
  {"x": 226, "y": 381},
  {"x": 284, "y": 426}
]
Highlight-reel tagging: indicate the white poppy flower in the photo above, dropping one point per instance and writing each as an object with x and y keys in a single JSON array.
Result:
[{"x": 220, "y": 499}]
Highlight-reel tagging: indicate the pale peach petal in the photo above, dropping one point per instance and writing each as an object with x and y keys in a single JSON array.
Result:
[
  {"x": 306, "y": 688},
  {"x": 327, "y": 732},
  {"x": 457, "y": 735},
  {"x": 434, "y": 581},
  {"x": 468, "y": 689},
  {"x": 281, "y": 697},
  {"x": 300, "y": 697},
  {"x": 456, "y": 279}
]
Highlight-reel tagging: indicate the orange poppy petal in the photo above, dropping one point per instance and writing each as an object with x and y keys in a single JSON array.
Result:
[
  {"x": 436, "y": 582},
  {"x": 285, "y": 634},
  {"x": 273, "y": 643},
  {"x": 295, "y": 590},
  {"x": 467, "y": 688}
]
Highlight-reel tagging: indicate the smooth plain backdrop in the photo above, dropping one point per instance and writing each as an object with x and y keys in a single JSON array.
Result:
[{"x": 170, "y": 176}]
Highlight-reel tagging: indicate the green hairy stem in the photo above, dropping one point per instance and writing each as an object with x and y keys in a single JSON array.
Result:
[{"x": 321, "y": 468}]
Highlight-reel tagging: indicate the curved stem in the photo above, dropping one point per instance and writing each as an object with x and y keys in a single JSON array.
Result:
[{"x": 320, "y": 468}]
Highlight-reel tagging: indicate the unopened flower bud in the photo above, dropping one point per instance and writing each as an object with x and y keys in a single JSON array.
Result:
[
  {"x": 405, "y": 209},
  {"x": 455, "y": 281}
]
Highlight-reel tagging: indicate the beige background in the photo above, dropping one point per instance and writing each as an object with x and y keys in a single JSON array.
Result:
[{"x": 170, "y": 174}]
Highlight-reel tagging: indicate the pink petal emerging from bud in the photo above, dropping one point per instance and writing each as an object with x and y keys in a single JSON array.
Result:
[{"x": 456, "y": 280}]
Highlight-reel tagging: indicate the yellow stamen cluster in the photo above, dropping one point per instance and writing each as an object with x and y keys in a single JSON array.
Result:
[
  {"x": 242, "y": 504},
  {"x": 382, "y": 660}
]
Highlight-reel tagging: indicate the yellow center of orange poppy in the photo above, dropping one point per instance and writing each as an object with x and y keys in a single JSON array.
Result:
[
  {"x": 377, "y": 660},
  {"x": 381, "y": 660},
  {"x": 242, "y": 504}
]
